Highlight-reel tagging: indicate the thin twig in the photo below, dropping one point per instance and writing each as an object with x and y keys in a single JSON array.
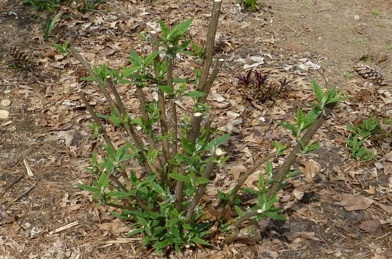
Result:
[
  {"x": 23, "y": 194},
  {"x": 201, "y": 189},
  {"x": 94, "y": 116},
  {"x": 227, "y": 209},
  {"x": 161, "y": 98},
  {"x": 10, "y": 185},
  {"x": 145, "y": 116}
]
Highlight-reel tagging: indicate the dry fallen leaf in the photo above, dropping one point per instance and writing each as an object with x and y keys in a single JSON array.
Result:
[
  {"x": 306, "y": 235},
  {"x": 370, "y": 226},
  {"x": 310, "y": 169},
  {"x": 237, "y": 170},
  {"x": 115, "y": 227},
  {"x": 352, "y": 202}
]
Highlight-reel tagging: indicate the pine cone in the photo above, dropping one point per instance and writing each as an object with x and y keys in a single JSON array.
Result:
[{"x": 370, "y": 73}]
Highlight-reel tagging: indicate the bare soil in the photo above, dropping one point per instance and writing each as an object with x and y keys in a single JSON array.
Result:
[{"x": 341, "y": 209}]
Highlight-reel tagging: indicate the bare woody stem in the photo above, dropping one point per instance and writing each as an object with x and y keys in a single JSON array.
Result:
[
  {"x": 161, "y": 99},
  {"x": 172, "y": 106},
  {"x": 283, "y": 170},
  {"x": 201, "y": 189},
  {"x": 96, "y": 120},
  {"x": 227, "y": 209},
  {"x": 128, "y": 127},
  {"x": 145, "y": 116},
  {"x": 213, "y": 26}
]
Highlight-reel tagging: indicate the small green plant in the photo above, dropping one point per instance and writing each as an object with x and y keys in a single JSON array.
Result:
[
  {"x": 62, "y": 48},
  {"x": 360, "y": 133},
  {"x": 375, "y": 12},
  {"x": 48, "y": 26},
  {"x": 178, "y": 151},
  {"x": 355, "y": 40},
  {"x": 250, "y": 5},
  {"x": 44, "y": 5},
  {"x": 49, "y": 15},
  {"x": 305, "y": 6},
  {"x": 348, "y": 74}
]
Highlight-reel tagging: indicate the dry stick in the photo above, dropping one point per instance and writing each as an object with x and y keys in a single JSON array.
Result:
[
  {"x": 23, "y": 194},
  {"x": 285, "y": 167},
  {"x": 212, "y": 28},
  {"x": 119, "y": 103},
  {"x": 10, "y": 185},
  {"x": 227, "y": 209},
  {"x": 201, "y": 189}
]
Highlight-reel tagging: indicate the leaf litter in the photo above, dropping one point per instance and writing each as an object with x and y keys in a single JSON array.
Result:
[{"x": 59, "y": 149}]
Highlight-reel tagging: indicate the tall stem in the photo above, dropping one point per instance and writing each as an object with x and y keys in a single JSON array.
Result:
[{"x": 210, "y": 45}]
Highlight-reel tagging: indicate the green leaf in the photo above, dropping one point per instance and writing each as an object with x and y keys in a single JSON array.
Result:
[
  {"x": 268, "y": 167},
  {"x": 118, "y": 194},
  {"x": 150, "y": 58},
  {"x": 201, "y": 180},
  {"x": 135, "y": 231},
  {"x": 166, "y": 89},
  {"x": 178, "y": 30},
  {"x": 312, "y": 147},
  {"x": 156, "y": 187},
  {"x": 164, "y": 28},
  {"x": 136, "y": 60},
  {"x": 200, "y": 241},
  {"x": 239, "y": 211},
  {"x": 274, "y": 215},
  {"x": 293, "y": 129},
  {"x": 88, "y": 188},
  {"x": 216, "y": 142},
  {"x": 180, "y": 177},
  {"x": 261, "y": 181},
  {"x": 162, "y": 244},
  {"x": 318, "y": 91},
  {"x": 196, "y": 94}
]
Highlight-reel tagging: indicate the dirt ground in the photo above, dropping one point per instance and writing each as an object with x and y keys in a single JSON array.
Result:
[{"x": 341, "y": 209}]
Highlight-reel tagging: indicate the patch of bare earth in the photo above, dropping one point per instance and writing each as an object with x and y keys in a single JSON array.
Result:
[{"x": 337, "y": 208}]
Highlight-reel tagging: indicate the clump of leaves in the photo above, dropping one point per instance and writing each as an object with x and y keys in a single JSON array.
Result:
[
  {"x": 250, "y": 5},
  {"x": 361, "y": 132},
  {"x": 259, "y": 88},
  {"x": 179, "y": 151},
  {"x": 48, "y": 11}
]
